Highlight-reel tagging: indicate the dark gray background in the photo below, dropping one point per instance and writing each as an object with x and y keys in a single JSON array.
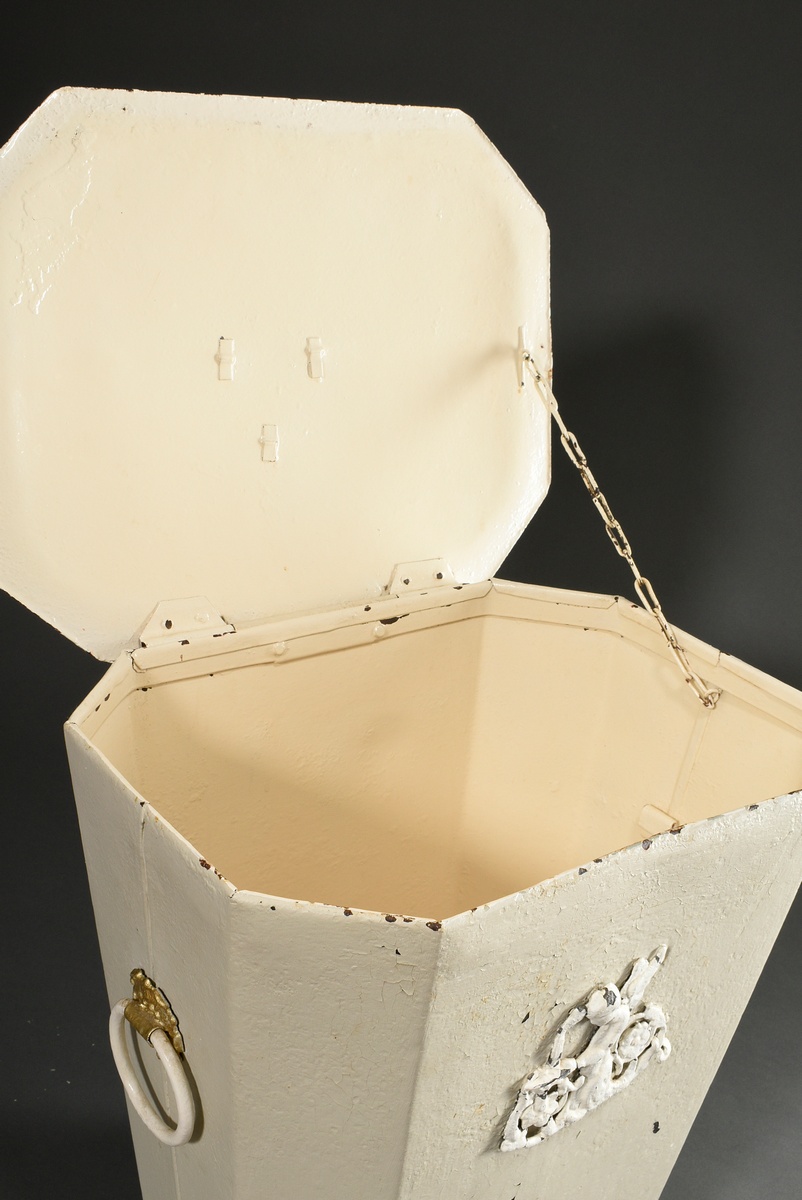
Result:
[{"x": 663, "y": 141}]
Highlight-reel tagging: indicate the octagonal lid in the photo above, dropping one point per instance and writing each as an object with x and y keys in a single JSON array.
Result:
[{"x": 259, "y": 350}]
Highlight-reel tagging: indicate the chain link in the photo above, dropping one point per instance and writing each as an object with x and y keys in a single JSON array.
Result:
[{"x": 646, "y": 594}]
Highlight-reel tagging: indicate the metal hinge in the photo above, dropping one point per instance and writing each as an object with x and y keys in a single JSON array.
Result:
[
  {"x": 419, "y": 576},
  {"x": 182, "y": 621}
]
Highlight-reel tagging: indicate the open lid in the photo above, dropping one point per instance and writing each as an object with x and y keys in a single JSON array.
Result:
[{"x": 259, "y": 350}]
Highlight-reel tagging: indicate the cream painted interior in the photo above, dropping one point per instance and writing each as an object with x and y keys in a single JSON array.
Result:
[{"x": 437, "y": 769}]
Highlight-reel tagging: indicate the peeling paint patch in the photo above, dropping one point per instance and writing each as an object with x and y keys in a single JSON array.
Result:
[{"x": 48, "y": 230}]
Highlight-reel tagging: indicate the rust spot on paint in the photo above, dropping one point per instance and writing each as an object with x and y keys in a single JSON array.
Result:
[
  {"x": 676, "y": 829},
  {"x": 390, "y": 917},
  {"x": 206, "y": 866},
  {"x": 752, "y": 807},
  {"x": 646, "y": 843},
  {"x": 583, "y": 870},
  {"x": 435, "y": 925},
  {"x": 597, "y": 860},
  {"x": 348, "y": 912},
  {"x": 407, "y": 920}
]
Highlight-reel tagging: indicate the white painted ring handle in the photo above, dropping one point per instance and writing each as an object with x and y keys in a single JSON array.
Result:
[{"x": 170, "y": 1060}]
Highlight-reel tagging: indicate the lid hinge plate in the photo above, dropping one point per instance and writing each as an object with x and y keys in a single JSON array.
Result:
[
  {"x": 420, "y": 576},
  {"x": 182, "y": 621}
]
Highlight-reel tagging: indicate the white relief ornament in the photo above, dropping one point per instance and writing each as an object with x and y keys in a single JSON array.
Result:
[{"x": 621, "y": 1036}]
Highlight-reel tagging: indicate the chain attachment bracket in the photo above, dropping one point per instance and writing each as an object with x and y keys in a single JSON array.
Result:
[{"x": 707, "y": 695}]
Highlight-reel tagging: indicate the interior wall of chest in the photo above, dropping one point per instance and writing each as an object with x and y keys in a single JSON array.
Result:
[{"x": 436, "y": 770}]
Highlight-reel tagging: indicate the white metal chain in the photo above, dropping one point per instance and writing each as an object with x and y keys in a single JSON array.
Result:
[{"x": 708, "y": 695}]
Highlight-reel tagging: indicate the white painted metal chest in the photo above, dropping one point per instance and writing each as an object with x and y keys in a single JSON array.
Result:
[{"x": 356, "y": 808}]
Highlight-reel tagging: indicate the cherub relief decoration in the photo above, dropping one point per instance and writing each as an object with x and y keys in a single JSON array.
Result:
[{"x": 621, "y": 1037}]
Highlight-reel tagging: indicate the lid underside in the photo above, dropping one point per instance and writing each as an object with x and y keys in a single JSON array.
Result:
[{"x": 259, "y": 350}]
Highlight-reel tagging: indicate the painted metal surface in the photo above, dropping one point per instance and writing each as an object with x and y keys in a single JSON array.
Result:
[
  {"x": 371, "y": 849},
  {"x": 260, "y": 350},
  {"x": 369, "y": 941}
]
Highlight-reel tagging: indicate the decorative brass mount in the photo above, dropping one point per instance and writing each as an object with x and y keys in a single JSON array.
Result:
[{"x": 149, "y": 1010}]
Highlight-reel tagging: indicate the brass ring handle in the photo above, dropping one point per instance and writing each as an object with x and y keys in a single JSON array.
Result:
[{"x": 152, "y": 1017}]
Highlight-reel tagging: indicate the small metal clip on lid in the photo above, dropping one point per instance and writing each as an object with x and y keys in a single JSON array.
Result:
[
  {"x": 226, "y": 360},
  {"x": 315, "y": 353}
]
